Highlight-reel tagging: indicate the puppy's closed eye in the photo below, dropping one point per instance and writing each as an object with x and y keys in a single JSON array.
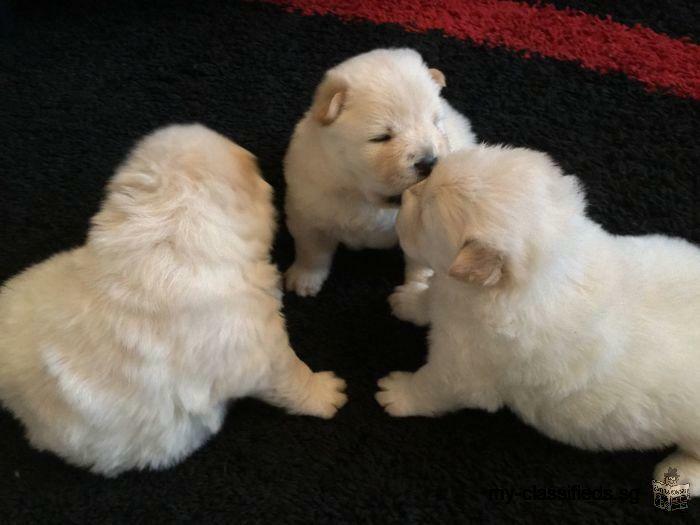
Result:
[{"x": 384, "y": 137}]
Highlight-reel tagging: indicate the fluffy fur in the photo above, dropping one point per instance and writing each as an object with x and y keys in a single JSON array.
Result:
[
  {"x": 122, "y": 353},
  {"x": 374, "y": 119},
  {"x": 590, "y": 337}
]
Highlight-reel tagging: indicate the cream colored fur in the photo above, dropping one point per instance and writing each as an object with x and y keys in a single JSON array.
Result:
[
  {"x": 123, "y": 353},
  {"x": 339, "y": 177},
  {"x": 590, "y": 337}
]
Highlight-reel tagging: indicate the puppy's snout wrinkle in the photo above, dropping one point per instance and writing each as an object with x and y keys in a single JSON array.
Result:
[{"x": 425, "y": 165}]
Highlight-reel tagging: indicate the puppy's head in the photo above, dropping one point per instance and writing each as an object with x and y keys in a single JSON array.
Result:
[
  {"x": 187, "y": 190},
  {"x": 486, "y": 215},
  {"x": 380, "y": 114}
]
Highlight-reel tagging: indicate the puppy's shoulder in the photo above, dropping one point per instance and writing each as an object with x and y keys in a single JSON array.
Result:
[
  {"x": 458, "y": 128},
  {"x": 307, "y": 166}
]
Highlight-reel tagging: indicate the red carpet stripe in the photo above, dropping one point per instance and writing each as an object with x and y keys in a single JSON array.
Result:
[{"x": 652, "y": 58}]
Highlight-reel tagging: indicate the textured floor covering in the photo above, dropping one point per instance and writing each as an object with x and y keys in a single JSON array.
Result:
[{"x": 78, "y": 85}]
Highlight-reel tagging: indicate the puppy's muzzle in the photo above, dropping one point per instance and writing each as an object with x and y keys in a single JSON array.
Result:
[
  {"x": 394, "y": 200},
  {"x": 425, "y": 166}
]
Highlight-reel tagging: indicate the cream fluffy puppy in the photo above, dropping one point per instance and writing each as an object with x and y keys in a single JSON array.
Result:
[
  {"x": 122, "y": 353},
  {"x": 590, "y": 337},
  {"x": 376, "y": 126}
]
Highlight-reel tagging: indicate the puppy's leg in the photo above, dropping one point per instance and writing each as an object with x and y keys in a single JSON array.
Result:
[
  {"x": 292, "y": 385},
  {"x": 422, "y": 393},
  {"x": 440, "y": 386},
  {"x": 409, "y": 302},
  {"x": 416, "y": 272},
  {"x": 314, "y": 255},
  {"x": 688, "y": 467}
]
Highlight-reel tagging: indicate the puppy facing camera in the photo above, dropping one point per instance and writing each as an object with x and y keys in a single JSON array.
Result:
[
  {"x": 534, "y": 306},
  {"x": 123, "y": 353},
  {"x": 377, "y": 125}
]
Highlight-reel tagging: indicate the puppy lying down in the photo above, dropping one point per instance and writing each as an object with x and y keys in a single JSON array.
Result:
[
  {"x": 590, "y": 337},
  {"x": 376, "y": 126},
  {"x": 122, "y": 353}
]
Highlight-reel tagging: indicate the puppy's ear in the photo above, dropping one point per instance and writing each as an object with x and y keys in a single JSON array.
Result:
[
  {"x": 477, "y": 263},
  {"x": 329, "y": 99},
  {"x": 438, "y": 76},
  {"x": 131, "y": 182}
]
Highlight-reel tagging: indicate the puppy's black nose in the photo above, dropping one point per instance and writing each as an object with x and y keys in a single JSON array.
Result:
[{"x": 425, "y": 165}]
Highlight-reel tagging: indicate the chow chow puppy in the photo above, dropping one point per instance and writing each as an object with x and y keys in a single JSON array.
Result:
[
  {"x": 376, "y": 126},
  {"x": 590, "y": 337},
  {"x": 122, "y": 353}
]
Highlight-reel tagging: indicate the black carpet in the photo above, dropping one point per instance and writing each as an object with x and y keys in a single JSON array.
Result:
[{"x": 79, "y": 84}]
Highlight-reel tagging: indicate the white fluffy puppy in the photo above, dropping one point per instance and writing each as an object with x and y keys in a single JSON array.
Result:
[
  {"x": 376, "y": 126},
  {"x": 123, "y": 353},
  {"x": 592, "y": 338}
]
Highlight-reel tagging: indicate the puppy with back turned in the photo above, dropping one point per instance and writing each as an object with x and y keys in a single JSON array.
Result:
[
  {"x": 590, "y": 337},
  {"x": 377, "y": 125},
  {"x": 122, "y": 353}
]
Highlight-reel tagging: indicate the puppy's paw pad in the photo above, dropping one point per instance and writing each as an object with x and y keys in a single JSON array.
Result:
[
  {"x": 408, "y": 302},
  {"x": 326, "y": 395},
  {"x": 304, "y": 282},
  {"x": 395, "y": 395}
]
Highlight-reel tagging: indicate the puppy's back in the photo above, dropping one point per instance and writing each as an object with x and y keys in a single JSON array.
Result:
[{"x": 90, "y": 339}]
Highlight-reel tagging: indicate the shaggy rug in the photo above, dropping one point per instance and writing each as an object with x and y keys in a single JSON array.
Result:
[{"x": 610, "y": 89}]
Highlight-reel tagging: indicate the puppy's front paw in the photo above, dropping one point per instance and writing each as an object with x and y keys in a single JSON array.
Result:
[
  {"x": 408, "y": 303},
  {"x": 396, "y": 395},
  {"x": 324, "y": 395},
  {"x": 304, "y": 282}
]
